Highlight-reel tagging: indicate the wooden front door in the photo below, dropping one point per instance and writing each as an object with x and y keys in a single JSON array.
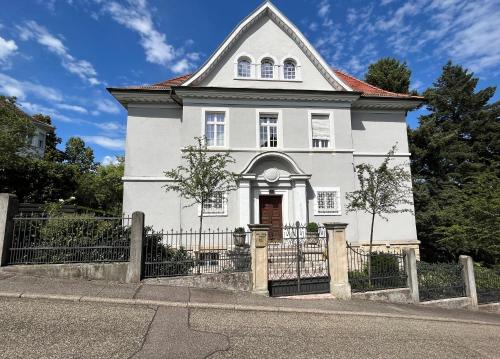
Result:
[{"x": 270, "y": 213}]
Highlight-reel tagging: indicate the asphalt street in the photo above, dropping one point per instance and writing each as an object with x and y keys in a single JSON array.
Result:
[{"x": 34, "y": 328}]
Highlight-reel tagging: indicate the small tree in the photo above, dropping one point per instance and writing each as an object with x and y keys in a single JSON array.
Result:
[
  {"x": 382, "y": 190},
  {"x": 389, "y": 74},
  {"x": 204, "y": 176}
]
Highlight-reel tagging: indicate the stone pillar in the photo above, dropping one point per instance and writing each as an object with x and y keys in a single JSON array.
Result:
[
  {"x": 337, "y": 260},
  {"x": 136, "y": 264},
  {"x": 411, "y": 272},
  {"x": 300, "y": 201},
  {"x": 260, "y": 235},
  {"x": 244, "y": 199},
  {"x": 469, "y": 280},
  {"x": 9, "y": 206}
]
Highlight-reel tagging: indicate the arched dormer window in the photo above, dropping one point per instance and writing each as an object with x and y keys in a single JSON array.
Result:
[
  {"x": 267, "y": 69},
  {"x": 289, "y": 72},
  {"x": 244, "y": 67}
]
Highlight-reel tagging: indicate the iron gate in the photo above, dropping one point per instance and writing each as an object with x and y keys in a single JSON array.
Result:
[{"x": 298, "y": 262}]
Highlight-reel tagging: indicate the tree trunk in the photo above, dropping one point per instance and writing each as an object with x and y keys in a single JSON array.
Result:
[
  {"x": 370, "y": 252},
  {"x": 199, "y": 240}
]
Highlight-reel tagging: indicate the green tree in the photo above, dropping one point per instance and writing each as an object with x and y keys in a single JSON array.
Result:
[
  {"x": 389, "y": 74},
  {"x": 204, "y": 177},
  {"x": 102, "y": 188},
  {"x": 456, "y": 170},
  {"x": 76, "y": 153},
  {"x": 382, "y": 190},
  {"x": 16, "y": 130}
]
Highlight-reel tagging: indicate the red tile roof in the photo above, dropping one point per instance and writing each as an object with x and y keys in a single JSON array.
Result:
[{"x": 366, "y": 89}]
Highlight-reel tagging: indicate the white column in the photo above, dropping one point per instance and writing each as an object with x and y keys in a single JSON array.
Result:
[
  {"x": 244, "y": 199},
  {"x": 300, "y": 201}
]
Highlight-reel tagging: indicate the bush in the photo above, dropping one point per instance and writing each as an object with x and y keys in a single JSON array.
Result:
[
  {"x": 239, "y": 230},
  {"x": 383, "y": 264},
  {"x": 312, "y": 227}
]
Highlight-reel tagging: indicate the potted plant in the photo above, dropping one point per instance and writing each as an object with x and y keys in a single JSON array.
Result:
[
  {"x": 312, "y": 235},
  {"x": 239, "y": 236}
]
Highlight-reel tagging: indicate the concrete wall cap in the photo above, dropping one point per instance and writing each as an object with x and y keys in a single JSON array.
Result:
[
  {"x": 335, "y": 225},
  {"x": 259, "y": 227}
]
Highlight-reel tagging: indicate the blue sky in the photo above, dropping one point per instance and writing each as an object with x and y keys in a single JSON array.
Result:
[{"x": 57, "y": 56}]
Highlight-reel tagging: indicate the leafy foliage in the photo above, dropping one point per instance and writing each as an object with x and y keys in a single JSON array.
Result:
[
  {"x": 312, "y": 227},
  {"x": 77, "y": 154},
  {"x": 16, "y": 128},
  {"x": 456, "y": 170},
  {"x": 389, "y": 74}
]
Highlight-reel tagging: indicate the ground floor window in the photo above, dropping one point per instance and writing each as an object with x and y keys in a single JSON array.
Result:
[
  {"x": 327, "y": 201},
  {"x": 216, "y": 206}
]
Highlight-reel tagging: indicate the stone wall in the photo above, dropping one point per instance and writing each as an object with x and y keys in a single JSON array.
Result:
[{"x": 239, "y": 281}]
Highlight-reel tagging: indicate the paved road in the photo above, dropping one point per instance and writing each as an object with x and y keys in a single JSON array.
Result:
[{"x": 55, "y": 329}]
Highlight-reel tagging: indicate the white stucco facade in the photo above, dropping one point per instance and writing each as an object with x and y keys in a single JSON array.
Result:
[{"x": 360, "y": 129}]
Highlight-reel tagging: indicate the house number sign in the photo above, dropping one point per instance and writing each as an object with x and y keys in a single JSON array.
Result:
[{"x": 260, "y": 239}]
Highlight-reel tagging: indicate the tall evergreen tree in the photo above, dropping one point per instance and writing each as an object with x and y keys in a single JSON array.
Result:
[
  {"x": 389, "y": 74},
  {"x": 78, "y": 154},
  {"x": 456, "y": 169}
]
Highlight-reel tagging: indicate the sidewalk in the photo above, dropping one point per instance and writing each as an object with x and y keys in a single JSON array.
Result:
[{"x": 153, "y": 294}]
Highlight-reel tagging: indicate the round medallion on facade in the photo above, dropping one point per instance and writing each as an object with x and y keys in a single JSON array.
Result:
[{"x": 271, "y": 175}]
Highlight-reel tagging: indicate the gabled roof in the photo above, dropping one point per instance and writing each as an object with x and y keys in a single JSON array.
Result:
[
  {"x": 355, "y": 84},
  {"x": 267, "y": 8}
]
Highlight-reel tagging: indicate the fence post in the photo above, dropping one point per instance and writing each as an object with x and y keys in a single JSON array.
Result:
[
  {"x": 135, "y": 266},
  {"x": 8, "y": 208},
  {"x": 412, "y": 275},
  {"x": 337, "y": 260},
  {"x": 259, "y": 242},
  {"x": 469, "y": 280}
]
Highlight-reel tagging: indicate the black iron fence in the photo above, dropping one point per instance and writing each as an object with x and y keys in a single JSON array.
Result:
[
  {"x": 69, "y": 239},
  {"x": 440, "y": 280},
  {"x": 298, "y": 261},
  {"x": 487, "y": 285},
  {"x": 381, "y": 270},
  {"x": 181, "y": 253}
]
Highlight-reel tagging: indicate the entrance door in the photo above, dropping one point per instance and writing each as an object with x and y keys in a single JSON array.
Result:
[{"x": 270, "y": 213}]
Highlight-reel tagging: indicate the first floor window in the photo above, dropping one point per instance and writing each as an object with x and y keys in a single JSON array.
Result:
[
  {"x": 320, "y": 124},
  {"x": 214, "y": 128},
  {"x": 327, "y": 201},
  {"x": 268, "y": 129},
  {"x": 216, "y": 205}
]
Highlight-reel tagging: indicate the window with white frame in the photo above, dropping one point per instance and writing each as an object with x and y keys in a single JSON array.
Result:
[
  {"x": 216, "y": 206},
  {"x": 268, "y": 130},
  {"x": 289, "y": 70},
  {"x": 215, "y": 128},
  {"x": 320, "y": 127},
  {"x": 327, "y": 201},
  {"x": 244, "y": 68},
  {"x": 267, "y": 69}
]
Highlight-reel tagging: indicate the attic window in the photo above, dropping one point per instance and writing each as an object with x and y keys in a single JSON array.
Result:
[
  {"x": 289, "y": 70},
  {"x": 244, "y": 68},
  {"x": 267, "y": 69}
]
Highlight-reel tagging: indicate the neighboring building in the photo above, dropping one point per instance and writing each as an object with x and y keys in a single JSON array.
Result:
[
  {"x": 296, "y": 128},
  {"x": 37, "y": 141}
]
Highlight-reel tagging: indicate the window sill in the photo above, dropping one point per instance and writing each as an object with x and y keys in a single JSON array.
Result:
[
  {"x": 270, "y": 80},
  {"x": 328, "y": 214},
  {"x": 213, "y": 215}
]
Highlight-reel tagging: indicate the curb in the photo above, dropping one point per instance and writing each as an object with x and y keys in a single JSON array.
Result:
[{"x": 235, "y": 307}]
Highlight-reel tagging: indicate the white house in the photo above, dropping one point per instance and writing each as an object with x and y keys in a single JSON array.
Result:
[{"x": 295, "y": 126}]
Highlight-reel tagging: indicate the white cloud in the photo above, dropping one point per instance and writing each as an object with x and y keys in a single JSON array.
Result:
[
  {"x": 31, "y": 30},
  {"x": 12, "y": 87},
  {"x": 74, "y": 108},
  {"x": 106, "y": 142},
  {"x": 323, "y": 8},
  {"x": 107, "y": 106},
  {"x": 136, "y": 16},
  {"x": 110, "y": 126},
  {"x": 110, "y": 160},
  {"x": 7, "y": 48},
  {"x": 33, "y": 108}
]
